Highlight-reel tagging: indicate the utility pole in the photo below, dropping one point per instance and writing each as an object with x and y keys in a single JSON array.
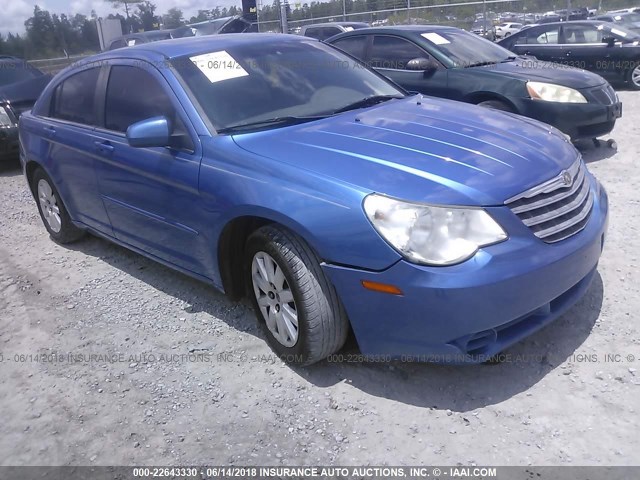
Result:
[
  {"x": 409, "y": 11},
  {"x": 344, "y": 10}
]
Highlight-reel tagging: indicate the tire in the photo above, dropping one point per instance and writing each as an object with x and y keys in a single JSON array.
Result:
[
  {"x": 297, "y": 285},
  {"x": 53, "y": 213},
  {"x": 507, "y": 34},
  {"x": 633, "y": 78},
  {"x": 496, "y": 105}
]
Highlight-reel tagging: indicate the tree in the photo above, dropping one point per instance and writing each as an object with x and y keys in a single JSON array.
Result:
[
  {"x": 41, "y": 31},
  {"x": 173, "y": 18},
  {"x": 146, "y": 13}
]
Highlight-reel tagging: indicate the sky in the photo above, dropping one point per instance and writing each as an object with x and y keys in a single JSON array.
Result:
[{"x": 15, "y": 12}]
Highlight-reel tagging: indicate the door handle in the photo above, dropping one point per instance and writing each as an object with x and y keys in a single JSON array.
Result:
[
  {"x": 50, "y": 131},
  {"x": 104, "y": 147}
]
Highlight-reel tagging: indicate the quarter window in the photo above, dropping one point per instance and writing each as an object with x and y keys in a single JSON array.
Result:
[
  {"x": 74, "y": 98},
  {"x": 393, "y": 53}
]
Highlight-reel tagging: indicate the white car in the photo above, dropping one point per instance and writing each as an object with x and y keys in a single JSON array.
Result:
[{"x": 506, "y": 29}]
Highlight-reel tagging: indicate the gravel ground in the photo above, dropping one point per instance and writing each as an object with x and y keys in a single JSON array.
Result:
[{"x": 180, "y": 375}]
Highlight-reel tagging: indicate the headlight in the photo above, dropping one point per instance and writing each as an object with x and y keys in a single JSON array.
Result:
[
  {"x": 5, "y": 119},
  {"x": 433, "y": 235},
  {"x": 554, "y": 93}
]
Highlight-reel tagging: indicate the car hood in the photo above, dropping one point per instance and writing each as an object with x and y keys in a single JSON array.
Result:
[
  {"x": 25, "y": 91},
  {"x": 528, "y": 68},
  {"x": 423, "y": 149}
]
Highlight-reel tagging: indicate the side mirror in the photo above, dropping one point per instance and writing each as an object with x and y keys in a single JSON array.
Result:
[
  {"x": 151, "y": 132},
  {"x": 425, "y": 65},
  {"x": 610, "y": 41}
]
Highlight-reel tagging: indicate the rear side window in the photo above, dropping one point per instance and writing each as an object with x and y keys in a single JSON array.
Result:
[
  {"x": 74, "y": 98},
  {"x": 539, "y": 36},
  {"x": 133, "y": 94},
  {"x": 353, "y": 45},
  {"x": 393, "y": 52},
  {"x": 328, "y": 32},
  {"x": 313, "y": 33}
]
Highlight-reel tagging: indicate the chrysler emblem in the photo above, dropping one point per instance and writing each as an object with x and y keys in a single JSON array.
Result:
[{"x": 566, "y": 177}]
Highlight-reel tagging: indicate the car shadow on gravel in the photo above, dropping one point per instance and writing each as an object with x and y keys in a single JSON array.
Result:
[
  {"x": 465, "y": 388},
  {"x": 10, "y": 168},
  {"x": 456, "y": 388},
  {"x": 591, "y": 153}
]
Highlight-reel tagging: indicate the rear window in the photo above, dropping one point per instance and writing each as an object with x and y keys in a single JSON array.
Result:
[
  {"x": 74, "y": 98},
  {"x": 14, "y": 72}
]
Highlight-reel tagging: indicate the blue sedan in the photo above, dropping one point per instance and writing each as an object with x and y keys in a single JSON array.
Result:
[{"x": 275, "y": 167}]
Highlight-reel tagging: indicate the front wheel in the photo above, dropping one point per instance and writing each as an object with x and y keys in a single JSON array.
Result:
[
  {"x": 304, "y": 319},
  {"x": 633, "y": 77},
  {"x": 52, "y": 211}
]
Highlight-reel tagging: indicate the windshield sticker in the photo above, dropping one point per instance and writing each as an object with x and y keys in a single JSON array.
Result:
[
  {"x": 131, "y": 43},
  {"x": 620, "y": 33},
  {"x": 435, "y": 38},
  {"x": 218, "y": 66}
]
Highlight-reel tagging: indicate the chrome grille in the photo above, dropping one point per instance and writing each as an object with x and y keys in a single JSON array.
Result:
[{"x": 557, "y": 208}]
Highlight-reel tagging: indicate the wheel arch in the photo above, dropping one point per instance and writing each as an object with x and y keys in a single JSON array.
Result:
[
  {"x": 478, "y": 97},
  {"x": 232, "y": 241}
]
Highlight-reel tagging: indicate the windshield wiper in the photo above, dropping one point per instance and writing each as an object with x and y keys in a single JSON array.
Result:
[
  {"x": 366, "y": 102},
  {"x": 269, "y": 122},
  {"x": 509, "y": 59},
  {"x": 479, "y": 64}
]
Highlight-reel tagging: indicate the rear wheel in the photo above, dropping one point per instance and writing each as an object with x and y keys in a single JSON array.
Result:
[
  {"x": 52, "y": 211},
  {"x": 496, "y": 105},
  {"x": 304, "y": 319},
  {"x": 633, "y": 77}
]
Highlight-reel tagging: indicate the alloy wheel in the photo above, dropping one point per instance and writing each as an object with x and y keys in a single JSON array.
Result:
[
  {"x": 49, "y": 206},
  {"x": 275, "y": 299}
]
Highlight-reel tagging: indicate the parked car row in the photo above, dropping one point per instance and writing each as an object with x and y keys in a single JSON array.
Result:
[
  {"x": 280, "y": 169},
  {"x": 451, "y": 63}
]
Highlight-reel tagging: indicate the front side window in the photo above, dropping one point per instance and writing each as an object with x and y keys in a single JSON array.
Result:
[
  {"x": 74, "y": 98},
  {"x": 576, "y": 34},
  {"x": 393, "y": 52},
  {"x": 133, "y": 94}
]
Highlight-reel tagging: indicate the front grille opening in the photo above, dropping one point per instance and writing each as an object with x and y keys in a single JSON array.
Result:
[{"x": 554, "y": 211}]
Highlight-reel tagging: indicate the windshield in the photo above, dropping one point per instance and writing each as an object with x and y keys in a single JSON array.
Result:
[
  {"x": 620, "y": 32},
  {"x": 273, "y": 79},
  {"x": 465, "y": 49},
  {"x": 13, "y": 72},
  {"x": 629, "y": 18}
]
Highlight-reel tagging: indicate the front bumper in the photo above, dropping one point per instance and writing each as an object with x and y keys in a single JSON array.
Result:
[
  {"x": 469, "y": 312},
  {"x": 578, "y": 120}
]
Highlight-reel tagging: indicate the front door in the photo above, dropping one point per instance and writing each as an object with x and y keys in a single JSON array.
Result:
[{"x": 151, "y": 194}]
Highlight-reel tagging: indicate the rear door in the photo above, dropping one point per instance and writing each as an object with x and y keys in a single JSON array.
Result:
[
  {"x": 71, "y": 158},
  {"x": 151, "y": 194}
]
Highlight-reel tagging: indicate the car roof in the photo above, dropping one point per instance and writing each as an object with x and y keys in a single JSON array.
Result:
[
  {"x": 573, "y": 22},
  {"x": 333, "y": 24},
  {"x": 406, "y": 29},
  {"x": 178, "y": 47}
]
